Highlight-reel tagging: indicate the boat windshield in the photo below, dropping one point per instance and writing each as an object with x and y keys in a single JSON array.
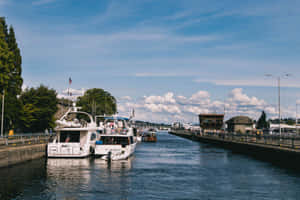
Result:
[
  {"x": 70, "y": 136},
  {"x": 116, "y": 140}
]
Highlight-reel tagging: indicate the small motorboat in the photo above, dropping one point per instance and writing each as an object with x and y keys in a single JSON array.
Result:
[{"x": 149, "y": 135}]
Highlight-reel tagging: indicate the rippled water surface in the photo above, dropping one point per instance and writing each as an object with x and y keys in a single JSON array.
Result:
[{"x": 172, "y": 168}]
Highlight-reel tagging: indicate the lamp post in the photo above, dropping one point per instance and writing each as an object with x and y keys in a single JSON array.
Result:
[
  {"x": 297, "y": 118},
  {"x": 2, "y": 114},
  {"x": 278, "y": 81}
]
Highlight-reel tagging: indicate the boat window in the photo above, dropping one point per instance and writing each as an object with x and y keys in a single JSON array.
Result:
[
  {"x": 114, "y": 140},
  {"x": 93, "y": 136},
  {"x": 70, "y": 136}
]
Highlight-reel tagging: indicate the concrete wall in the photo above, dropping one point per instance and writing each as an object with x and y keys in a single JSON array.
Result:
[
  {"x": 288, "y": 158},
  {"x": 15, "y": 155}
]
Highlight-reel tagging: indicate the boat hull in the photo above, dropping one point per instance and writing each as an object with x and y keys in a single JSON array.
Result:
[
  {"x": 114, "y": 152},
  {"x": 149, "y": 139},
  {"x": 63, "y": 150}
]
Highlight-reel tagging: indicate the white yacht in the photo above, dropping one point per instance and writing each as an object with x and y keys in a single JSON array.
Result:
[
  {"x": 74, "y": 137},
  {"x": 116, "y": 141}
]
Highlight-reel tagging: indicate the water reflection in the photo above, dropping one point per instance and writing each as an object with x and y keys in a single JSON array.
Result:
[
  {"x": 114, "y": 165},
  {"x": 115, "y": 177},
  {"x": 77, "y": 170},
  {"x": 83, "y": 178},
  {"x": 15, "y": 180}
]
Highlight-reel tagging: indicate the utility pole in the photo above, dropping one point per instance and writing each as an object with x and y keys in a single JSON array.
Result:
[
  {"x": 279, "y": 106},
  {"x": 279, "y": 110},
  {"x": 296, "y": 118},
  {"x": 2, "y": 115}
]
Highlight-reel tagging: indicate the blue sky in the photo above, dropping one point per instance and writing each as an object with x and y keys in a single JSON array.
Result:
[{"x": 151, "y": 48}]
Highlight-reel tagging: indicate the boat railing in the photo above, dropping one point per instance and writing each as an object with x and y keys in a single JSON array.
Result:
[{"x": 116, "y": 131}]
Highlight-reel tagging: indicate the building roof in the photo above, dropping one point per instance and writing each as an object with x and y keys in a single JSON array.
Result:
[
  {"x": 240, "y": 120},
  {"x": 212, "y": 114}
]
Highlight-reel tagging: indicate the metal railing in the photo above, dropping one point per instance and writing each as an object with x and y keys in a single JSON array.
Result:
[
  {"x": 25, "y": 139},
  {"x": 292, "y": 142}
]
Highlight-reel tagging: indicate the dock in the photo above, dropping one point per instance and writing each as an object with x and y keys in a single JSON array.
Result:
[{"x": 283, "y": 151}]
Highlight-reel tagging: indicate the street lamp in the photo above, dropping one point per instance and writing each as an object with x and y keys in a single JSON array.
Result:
[
  {"x": 2, "y": 115},
  {"x": 278, "y": 80},
  {"x": 297, "y": 117}
]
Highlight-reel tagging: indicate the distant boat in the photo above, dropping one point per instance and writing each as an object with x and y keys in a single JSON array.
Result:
[{"x": 149, "y": 135}]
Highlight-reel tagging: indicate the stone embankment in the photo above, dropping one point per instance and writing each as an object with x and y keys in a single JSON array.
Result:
[
  {"x": 18, "y": 150},
  {"x": 15, "y": 155}
]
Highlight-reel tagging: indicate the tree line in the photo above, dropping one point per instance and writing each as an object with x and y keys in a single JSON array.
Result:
[
  {"x": 33, "y": 109},
  {"x": 30, "y": 110}
]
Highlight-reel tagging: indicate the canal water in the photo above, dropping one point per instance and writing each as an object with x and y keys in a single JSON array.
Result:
[{"x": 172, "y": 168}]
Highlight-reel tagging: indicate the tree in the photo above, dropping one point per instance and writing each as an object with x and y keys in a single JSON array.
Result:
[
  {"x": 12, "y": 111},
  {"x": 98, "y": 102},
  {"x": 38, "y": 108},
  {"x": 6, "y": 59},
  {"x": 10, "y": 76},
  {"x": 262, "y": 121},
  {"x": 16, "y": 79}
]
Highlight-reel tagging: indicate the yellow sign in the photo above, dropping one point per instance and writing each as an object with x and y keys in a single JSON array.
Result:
[{"x": 11, "y": 132}]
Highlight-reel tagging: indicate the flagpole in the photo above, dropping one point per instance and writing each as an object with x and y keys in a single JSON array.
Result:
[
  {"x": 70, "y": 82},
  {"x": 69, "y": 95}
]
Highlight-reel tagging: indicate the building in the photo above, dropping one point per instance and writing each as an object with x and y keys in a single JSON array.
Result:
[
  {"x": 239, "y": 124},
  {"x": 211, "y": 122}
]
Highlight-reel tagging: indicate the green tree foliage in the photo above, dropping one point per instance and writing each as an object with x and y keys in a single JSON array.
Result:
[
  {"x": 10, "y": 75},
  {"x": 12, "y": 109},
  {"x": 6, "y": 59},
  {"x": 16, "y": 79},
  {"x": 38, "y": 108},
  {"x": 98, "y": 102},
  {"x": 262, "y": 121}
]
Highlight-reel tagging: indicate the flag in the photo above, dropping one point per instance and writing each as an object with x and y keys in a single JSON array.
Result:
[
  {"x": 133, "y": 112},
  {"x": 70, "y": 81}
]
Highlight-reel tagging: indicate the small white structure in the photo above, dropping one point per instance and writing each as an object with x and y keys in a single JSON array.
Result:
[
  {"x": 285, "y": 129},
  {"x": 74, "y": 138}
]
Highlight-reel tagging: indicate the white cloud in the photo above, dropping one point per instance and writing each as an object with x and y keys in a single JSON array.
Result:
[
  {"x": 169, "y": 107},
  {"x": 201, "y": 97},
  {"x": 167, "y": 98},
  {"x": 237, "y": 96}
]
